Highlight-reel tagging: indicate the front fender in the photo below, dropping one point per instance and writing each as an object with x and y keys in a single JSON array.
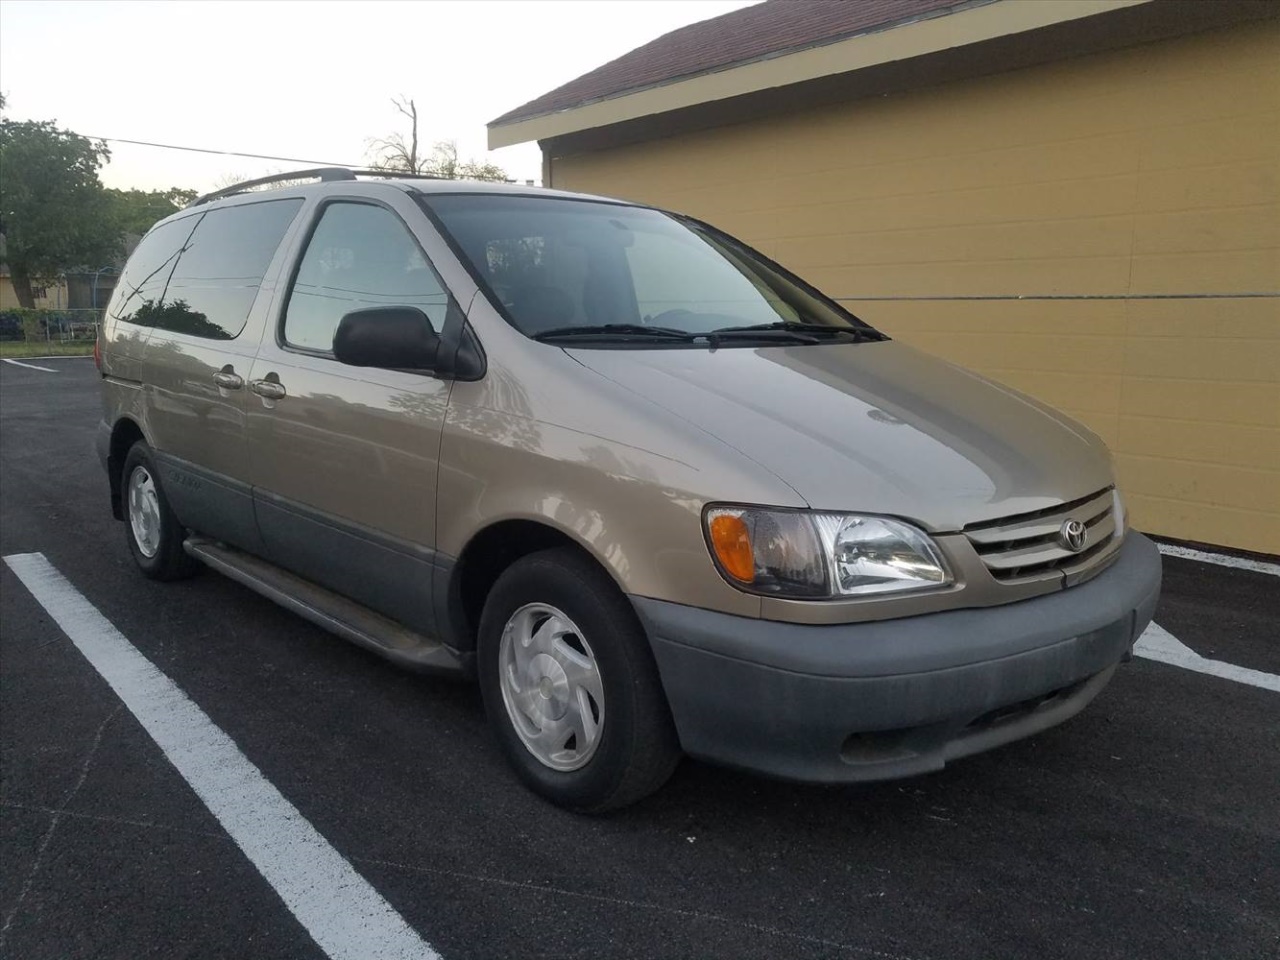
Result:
[{"x": 637, "y": 512}]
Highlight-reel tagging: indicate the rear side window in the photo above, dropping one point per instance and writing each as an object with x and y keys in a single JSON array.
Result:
[
  {"x": 216, "y": 280},
  {"x": 141, "y": 287},
  {"x": 360, "y": 255}
]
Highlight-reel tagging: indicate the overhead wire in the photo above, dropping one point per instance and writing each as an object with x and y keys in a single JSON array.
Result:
[{"x": 224, "y": 153}]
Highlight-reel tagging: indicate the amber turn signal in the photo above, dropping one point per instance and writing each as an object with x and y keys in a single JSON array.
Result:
[{"x": 731, "y": 541}]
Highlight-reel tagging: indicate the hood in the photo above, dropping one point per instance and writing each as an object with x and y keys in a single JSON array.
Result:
[{"x": 873, "y": 427}]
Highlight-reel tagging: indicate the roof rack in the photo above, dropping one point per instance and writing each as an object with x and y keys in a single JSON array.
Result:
[{"x": 323, "y": 174}]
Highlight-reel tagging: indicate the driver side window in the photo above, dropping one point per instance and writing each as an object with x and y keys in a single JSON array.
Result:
[{"x": 359, "y": 255}]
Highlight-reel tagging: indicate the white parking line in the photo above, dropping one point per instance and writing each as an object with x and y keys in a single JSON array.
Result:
[
  {"x": 1221, "y": 559},
  {"x": 31, "y": 366},
  {"x": 1157, "y": 643},
  {"x": 337, "y": 907}
]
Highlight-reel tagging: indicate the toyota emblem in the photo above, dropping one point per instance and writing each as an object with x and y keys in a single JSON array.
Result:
[{"x": 1071, "y": 535}]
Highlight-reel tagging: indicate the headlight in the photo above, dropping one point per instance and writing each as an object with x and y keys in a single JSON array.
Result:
[
  {"x": 799, "y": 554},
  {"x": 1118, "y": 514}
]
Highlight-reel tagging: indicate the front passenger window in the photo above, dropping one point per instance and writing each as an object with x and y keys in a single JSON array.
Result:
[{"x": 360, "y": 255}]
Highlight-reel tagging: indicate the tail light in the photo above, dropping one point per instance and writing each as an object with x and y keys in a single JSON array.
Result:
[{"x": 97, "y": 352}]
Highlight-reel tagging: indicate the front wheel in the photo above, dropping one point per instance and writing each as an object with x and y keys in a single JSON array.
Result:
[
  {"x": 151, "y": 528},
  {"x": 570, "y": 686}
]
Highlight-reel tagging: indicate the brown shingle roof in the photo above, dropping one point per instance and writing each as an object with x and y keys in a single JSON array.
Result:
[{"x": 752, "y": 33}]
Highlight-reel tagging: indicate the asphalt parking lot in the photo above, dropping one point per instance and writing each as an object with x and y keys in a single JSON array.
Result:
[{"x": 1149, "y": 826}]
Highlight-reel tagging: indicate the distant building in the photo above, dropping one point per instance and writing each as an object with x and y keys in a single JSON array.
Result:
[
  {"x": 1080, "y": 198},
  {"x": 49, "y": 294},
  {"x": 79, "y": 290},
  {"x": 91, "y": 289}
]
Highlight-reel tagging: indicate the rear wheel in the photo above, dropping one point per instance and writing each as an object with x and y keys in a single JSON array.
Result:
[
  {"x": 151, "y": 529},
  {"x": 570, "y": 686}
]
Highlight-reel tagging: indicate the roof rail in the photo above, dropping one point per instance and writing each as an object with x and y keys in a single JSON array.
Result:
[{"x": 323, "y": 174}]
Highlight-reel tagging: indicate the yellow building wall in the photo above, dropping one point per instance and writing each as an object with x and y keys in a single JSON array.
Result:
[
  {"x": 55, "y": 294},
  {"x": 1131, "y": 199}
]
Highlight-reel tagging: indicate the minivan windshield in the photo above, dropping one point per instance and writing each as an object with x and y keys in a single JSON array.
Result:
[{"x": 592, "y": 271}]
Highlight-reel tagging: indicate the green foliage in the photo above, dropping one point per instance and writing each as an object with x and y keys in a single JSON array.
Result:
[
  {"x": 54, "y": 210},
  {"x": 41, "y": 325},
  {"x": 444, "y": 162},
  {"x": 56, "y": 348},
  {"x": 135, "y": 211},
  {"x": 32, "y": 327}
]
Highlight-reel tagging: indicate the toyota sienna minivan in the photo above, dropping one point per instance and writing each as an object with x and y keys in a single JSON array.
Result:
[{"x": 657, "y": 494}]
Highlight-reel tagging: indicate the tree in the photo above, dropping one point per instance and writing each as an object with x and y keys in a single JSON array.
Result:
[
  {"x": 135, "y": 211},
  {"x": 399, "y": 152},
  {"x": 228, "y": 180},
  {"x": 444, "y": 163},
  {"x": 54, "y": 212},
  {"x": 394, "y": 151}
]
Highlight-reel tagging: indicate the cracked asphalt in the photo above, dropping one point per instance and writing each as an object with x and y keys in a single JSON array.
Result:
[{"x": 1149, "y": 826}]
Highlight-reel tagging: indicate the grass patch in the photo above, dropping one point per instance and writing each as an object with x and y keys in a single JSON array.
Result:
[{"x": 17, "y": 349}]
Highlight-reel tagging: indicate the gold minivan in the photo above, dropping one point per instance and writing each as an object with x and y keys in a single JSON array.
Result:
[{"x": 656, "y": 493}]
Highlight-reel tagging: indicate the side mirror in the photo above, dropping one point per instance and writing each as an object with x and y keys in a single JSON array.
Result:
[{"x": 397, "y": 338}]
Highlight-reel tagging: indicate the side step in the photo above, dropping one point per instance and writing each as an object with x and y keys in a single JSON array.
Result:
[{"x": 327, "y": 609}]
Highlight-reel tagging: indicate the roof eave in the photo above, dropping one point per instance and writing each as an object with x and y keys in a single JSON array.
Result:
[{"x": 916, "y": 38}]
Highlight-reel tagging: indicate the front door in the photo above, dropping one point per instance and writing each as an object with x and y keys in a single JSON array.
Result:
[{"x": 344, "y": 459}]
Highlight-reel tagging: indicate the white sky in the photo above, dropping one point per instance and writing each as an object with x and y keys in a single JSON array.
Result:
[{"x": 311, "y": 79}]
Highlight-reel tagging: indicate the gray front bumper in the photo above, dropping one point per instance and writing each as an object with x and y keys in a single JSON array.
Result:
[{"x": 890, "y": 698}]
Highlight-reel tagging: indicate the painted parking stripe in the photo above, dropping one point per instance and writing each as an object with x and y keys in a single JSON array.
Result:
[
  {"x": 30, "y": 366},
  {"x": 1157, "y": 643},
  {"x": 337, "y": 907},
  {"x": 1221, "y": 559}
]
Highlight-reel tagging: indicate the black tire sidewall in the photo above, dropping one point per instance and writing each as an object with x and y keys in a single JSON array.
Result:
[
  {"x": 170, "y": 561},
  {"x": 589, "y": 598}
]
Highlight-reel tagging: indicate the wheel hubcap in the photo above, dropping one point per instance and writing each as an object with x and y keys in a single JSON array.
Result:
[
  {"x": 551, "y": 686},
  {"x": 144, "y": 511}
]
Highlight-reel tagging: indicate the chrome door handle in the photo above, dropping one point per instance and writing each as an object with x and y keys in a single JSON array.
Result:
[
  {"x": 228, "y": 379},
  {"x": 268, "y": 389}
]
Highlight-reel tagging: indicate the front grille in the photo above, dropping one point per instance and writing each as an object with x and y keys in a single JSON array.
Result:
[{"x": 1028, "y": 545}]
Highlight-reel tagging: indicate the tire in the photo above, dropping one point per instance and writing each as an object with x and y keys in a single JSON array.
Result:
[
  {"x": 150, "y": 527},
  {"x": 600, "y": 665}
]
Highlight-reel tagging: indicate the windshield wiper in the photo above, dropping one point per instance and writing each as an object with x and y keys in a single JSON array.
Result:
[
  {"x": 782, "y": 332},
  {"x": 621, "y": 331},
  {"x": 766, "y": 333},
  {"x": 805, "y": 329}
]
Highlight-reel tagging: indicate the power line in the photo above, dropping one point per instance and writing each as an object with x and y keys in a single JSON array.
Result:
[{"x": 224, "y": 153}]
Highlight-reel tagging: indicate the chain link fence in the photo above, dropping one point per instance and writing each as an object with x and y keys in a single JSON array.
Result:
[{"x": 29, "y": 332}]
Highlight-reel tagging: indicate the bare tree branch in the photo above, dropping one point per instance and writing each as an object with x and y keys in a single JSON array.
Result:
[
  {"x": 399, "y": 152},
  {"x": 410, "y": 110}
]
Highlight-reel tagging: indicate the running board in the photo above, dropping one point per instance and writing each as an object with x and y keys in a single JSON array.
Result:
[{"x": 328, "y": 610}]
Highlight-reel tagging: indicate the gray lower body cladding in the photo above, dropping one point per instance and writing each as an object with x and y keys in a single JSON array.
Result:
[{"x": 892, "y": 698}]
